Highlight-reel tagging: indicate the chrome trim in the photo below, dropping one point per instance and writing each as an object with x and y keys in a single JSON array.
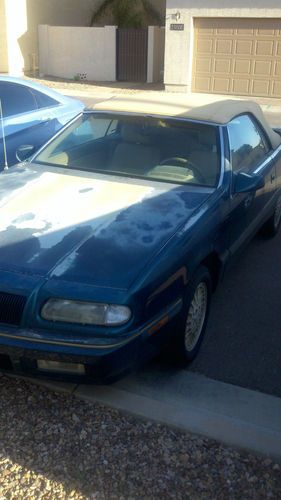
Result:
[
  {"x": 276, "y": 152},
  {"x": 67, "y": 344},
  {"x": 231, "y": 185},
  {"x": 268, "y": 160},
  {"x": 263, "y": 165},
  {"x": 222, "y": 148}
]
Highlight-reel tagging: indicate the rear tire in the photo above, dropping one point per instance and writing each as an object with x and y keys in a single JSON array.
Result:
[{"x": 192, "y": 323}]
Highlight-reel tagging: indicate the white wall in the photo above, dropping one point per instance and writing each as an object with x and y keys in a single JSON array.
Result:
[
  {"x": 66, "y": 51},
  {"x": 61, "y": 13},
  {"x": 155, "y": 55},
  {"x": 179, "y": 44},
  {"x": 159, "y": 53},
  {"x": 4, "y": 66},
  {"x": 19, "y": 21},
  {"x": 12, "y": 26},
  {"x": 53, "y": 13}
]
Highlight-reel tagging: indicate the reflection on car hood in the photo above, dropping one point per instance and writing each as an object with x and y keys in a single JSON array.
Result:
[{"x": 87, "y": 227}]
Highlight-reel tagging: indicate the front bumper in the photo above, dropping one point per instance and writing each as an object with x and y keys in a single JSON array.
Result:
[
  {"x": 103, "y": 358},
  {"x": 98, "y": 369}
]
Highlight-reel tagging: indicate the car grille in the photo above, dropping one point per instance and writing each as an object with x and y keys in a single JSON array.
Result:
[{"x": 11, "y": 308}]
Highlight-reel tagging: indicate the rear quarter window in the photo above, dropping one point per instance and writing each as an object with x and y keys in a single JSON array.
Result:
[
  {"x": 16, "y": 99},
  {"x": 43, "y": 100}
]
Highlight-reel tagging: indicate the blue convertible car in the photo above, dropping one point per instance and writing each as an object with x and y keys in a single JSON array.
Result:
[{"x": 114, "y": 235}]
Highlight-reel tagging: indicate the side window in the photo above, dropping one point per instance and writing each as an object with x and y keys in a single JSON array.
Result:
[
  {"x": 16, "y": 99},
  {"x": 43, "y": 100},
  {"x": 248, "y": 144}
]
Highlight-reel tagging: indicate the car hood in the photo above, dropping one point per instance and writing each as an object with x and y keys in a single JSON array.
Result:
[{"x": 86, "y": 227}]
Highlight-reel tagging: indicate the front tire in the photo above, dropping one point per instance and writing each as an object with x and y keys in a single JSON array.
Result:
[{"x": 193, "y": 321}]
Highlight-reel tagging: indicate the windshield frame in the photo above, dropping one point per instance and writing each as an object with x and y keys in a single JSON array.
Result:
[{"x": 112, "y": 115}]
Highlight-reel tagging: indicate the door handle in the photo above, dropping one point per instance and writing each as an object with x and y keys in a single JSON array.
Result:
[{"x": 272, "y": 177}]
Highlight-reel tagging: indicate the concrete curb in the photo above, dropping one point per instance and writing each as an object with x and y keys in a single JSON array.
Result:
[{"x": 235, "y": 416}]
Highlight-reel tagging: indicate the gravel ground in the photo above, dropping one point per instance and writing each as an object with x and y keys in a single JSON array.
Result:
[
  {"x": 54, "y": 446},
  {"x": 112, "y": 87}
]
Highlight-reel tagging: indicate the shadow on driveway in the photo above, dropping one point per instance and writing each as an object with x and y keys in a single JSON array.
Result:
[{"x": 243, "y": 341}]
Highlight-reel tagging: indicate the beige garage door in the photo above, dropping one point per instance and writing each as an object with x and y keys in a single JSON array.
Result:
[{"x": 237, "y": 56}]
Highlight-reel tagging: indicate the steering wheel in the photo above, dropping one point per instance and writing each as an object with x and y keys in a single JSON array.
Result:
[{"x": 180, "y": 161}]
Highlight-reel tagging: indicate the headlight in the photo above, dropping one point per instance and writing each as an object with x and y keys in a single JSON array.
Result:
[{"x": 85, "y": 313}]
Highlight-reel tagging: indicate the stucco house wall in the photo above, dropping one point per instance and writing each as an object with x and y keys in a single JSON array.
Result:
[
  {"x": 3, "y": 39},
  {"x": 19, "y": 20},
  {"x": 53, "y": 13},
  {"x": 98, "y": 46},
  {"x": 179, "y": 44}
]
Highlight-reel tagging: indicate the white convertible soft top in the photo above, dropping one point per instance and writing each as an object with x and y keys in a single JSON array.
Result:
[{"x": 220, "y": 112}]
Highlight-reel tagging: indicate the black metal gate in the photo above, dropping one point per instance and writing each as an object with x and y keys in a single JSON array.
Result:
[{"x": 132, "y": 54}]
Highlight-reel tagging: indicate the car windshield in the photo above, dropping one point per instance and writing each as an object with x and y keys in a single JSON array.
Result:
[{"x": 160, "y": 149}]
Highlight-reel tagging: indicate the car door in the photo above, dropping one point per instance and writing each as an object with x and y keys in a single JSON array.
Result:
[
  {"x": 250, "y": 152},
  {"x": 25, "y": 122}
]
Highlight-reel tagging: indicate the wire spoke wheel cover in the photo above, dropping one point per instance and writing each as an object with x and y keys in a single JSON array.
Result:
[{"x": 196, "y": 316}]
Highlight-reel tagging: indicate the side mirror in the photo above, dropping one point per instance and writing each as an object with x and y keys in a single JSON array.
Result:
[
  {"x": 247, "y": 183},
  {"x": 24, "y": 152}
]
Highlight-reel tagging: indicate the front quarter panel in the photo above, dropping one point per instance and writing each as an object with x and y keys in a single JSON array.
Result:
[{"x": 164, "y": 280}]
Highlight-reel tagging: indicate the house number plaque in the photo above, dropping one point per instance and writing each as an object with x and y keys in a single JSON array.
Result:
[{"x": 176, "y": 27}]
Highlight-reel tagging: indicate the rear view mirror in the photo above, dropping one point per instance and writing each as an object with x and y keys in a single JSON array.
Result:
[
  {"x": 24, "y": 152},
  {"x": 246, "y": 183}
]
